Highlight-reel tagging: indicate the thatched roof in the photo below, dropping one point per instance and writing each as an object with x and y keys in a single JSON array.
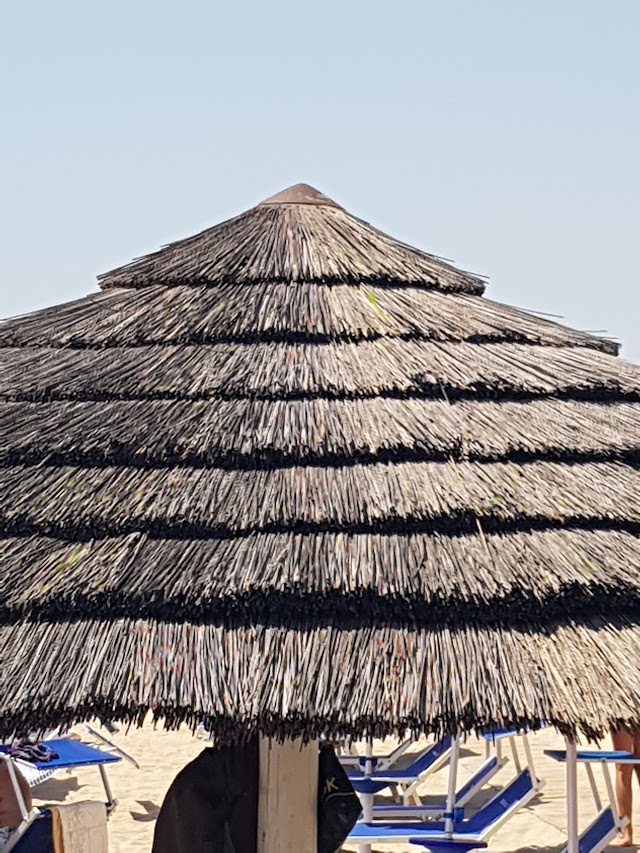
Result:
[{"x": 293, "y": 475}]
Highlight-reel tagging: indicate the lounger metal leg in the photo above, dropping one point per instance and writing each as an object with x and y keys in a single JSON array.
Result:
[
  {"x": 530, "y": 765},
  {"x": 514, "y": 753},
  {"x": 610, "y": 793},
  {"x": 594, "y": 787},
  {"x": 410, "y": 793},
  {"x": 572, "y": 797},
  {"x": 111, "y": 802}
]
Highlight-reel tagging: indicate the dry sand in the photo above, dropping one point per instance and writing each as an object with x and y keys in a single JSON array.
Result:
[{"x": 162, "y": 754}]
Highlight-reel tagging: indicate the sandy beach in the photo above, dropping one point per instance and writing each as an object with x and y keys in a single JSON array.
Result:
[{"x": 161, "y": 754}]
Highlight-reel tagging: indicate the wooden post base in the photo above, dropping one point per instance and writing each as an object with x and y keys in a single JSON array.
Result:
[{"x": 288, "y": 797}]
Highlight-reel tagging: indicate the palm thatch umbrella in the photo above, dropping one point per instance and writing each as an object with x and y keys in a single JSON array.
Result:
[{"x": 293, "y": 476}]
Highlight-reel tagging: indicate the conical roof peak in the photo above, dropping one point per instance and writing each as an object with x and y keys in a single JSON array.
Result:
[
  {"x": 299, "y": 194},
  {"x": 297, "y": 235}
]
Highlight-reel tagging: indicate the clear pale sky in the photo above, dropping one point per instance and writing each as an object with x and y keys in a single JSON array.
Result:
[{"x": 502, "y": 134}]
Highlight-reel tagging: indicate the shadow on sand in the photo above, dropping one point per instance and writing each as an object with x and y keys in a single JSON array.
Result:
[
  {"x": 57, "y": 789},
  {"x": 556, "y": 848},
  {"x": 150, "y": 813}
]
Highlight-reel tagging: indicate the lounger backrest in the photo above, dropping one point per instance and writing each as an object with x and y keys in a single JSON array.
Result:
[
  {"x": 485, "y": 770},
  {"x": 599, "y": 830},
  {"x": 427, "y": 758},
  {"x": 492, "y": 811}
]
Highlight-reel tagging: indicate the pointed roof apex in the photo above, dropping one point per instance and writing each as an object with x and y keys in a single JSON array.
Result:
[
  {"x": 298, "y": 234},
  {"x": 299, "y": 194}
]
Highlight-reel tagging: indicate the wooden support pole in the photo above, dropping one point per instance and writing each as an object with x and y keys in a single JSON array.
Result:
[{"x": 288, "y": 797}]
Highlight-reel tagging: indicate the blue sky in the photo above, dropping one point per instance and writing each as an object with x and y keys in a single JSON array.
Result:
[{"x": 503, "y": 135}]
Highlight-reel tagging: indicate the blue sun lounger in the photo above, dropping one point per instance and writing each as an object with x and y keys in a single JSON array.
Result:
[
  {"x": 492, "y": 764},
  {"x": 428, "y": 761},
  {"x": 468, "y": 834},
  {"x": 597, "y": 836},
  {"x": 371, "y": 782},
  {"x": 463, "y": 795},
  {"x": 71, "y": 753},
  {"x": 34, "y": 833}
]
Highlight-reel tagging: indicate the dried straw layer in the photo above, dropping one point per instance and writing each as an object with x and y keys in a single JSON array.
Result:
[
  {"x": 290, "y": 683},
  {"x": 274, "y": 371},
  {"x": 347, "y": 580},
  {"x": 292, "y": 475},
  {"x": 252, "y": 434},
  {"x": 435, "y": 497},
  {"x": 284, "y": 312}
]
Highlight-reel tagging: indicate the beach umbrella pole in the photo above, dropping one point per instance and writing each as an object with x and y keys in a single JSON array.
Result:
[
  {"x": 451, "y": 792},
  {"x": 572, "y": 797},
  {"x": 367, "y": 799}
]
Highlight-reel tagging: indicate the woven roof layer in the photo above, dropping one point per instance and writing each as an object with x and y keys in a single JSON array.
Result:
[{"x": 292, "y": 475}]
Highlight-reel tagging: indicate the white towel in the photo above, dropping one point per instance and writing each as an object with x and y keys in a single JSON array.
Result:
[{"x": 80, "y": 828}]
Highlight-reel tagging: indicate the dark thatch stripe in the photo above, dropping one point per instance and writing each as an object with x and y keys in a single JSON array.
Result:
[
  {"x": 580, "y": 677},
  {"x": 606, "y": 394},
  {"x": 289, "y": 371},
  {"x": 295, "y": 611},
  {"x": 281, "y": 312},
  {"x": 272, "y": 434},
  {"x": 291, "y": 243},
  {"x": 267, "y": 460},
  {"x": 460, "y": 523},
  {"x": 362, "y": 497},
  {"x": 524, "y": 579}
]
